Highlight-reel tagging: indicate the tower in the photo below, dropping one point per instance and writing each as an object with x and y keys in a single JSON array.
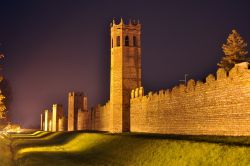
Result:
[
  {"x": 83, "y": 116},
  {"x": 47, "y": 120},
  {"x": 42, "y": 121},
  {"x": 76, "y": 102},
  {"x": 57, "y": 113},
  {"x": 125, "y": 73}
]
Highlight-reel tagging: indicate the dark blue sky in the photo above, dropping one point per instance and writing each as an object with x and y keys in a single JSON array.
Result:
[{"x": 53, "y": 47}]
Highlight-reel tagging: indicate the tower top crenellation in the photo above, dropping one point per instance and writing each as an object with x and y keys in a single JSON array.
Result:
[{"x": 133, "y": 23}]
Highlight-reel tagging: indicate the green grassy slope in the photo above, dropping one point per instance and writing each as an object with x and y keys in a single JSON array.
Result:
[
  {"x": 79, "y": 148},
  {"x": 5, "y": 152}
]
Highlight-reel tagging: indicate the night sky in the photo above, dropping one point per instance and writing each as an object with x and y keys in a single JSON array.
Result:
[{"x": 53, "y": 47}]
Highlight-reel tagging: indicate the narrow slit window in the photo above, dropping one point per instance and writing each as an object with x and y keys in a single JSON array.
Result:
[
  {"x": 112, "y": 43},
  {"x": 118, "y": 41},
  {"x": 126, "y": 41},
  {"x": 134, "y": 41}
]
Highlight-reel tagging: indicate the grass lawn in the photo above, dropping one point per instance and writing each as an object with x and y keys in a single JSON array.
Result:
[
  {"x": 5, "y": 152},
  {"x": 81, "y": 148}
]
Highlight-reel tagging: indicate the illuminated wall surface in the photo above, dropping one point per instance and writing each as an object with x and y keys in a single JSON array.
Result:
[
  {"x": 47, "y": 120},
  {"x": 125, "y": 72},
  {"x": 220, "y": 106}
]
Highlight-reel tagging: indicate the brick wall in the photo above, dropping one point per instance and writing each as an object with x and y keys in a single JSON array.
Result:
[
  {"x": 84, "y": 118},
  {"x": 220, "y": 106},
  {"x": 100, "y": 118}
]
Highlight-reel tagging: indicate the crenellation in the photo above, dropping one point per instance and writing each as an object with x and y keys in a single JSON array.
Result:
[
  {"x": 221, "y": 74},
  {"x": 136, "y": 92},
  {"x": 150, "y": 94},
  {"x": 167, "y": 93},
  {"x": 239, "y": 69},
  {"x": 217, "y": 107},
  {"x": 141, "y": 91},
  {"x": 182, "y": 88},
  {"x": 132, "y": 94},
  {"x": 190, "y": 85},
  {"x": 161, "y": 94},
  {"x": 210, "y": 79},
  {"x": 175, "y": 91},
  {"x": 199, "y": 85},
  {"x": 243, "y": 67},
  {"x": 76, "y": 101}
]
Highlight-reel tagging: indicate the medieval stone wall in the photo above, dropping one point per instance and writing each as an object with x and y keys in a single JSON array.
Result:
[
  {"x": 100, "y": 118},
  {"x": 57, "y": 113},
  {"x": 62, "y": 125},
  {"x": 220, "y": 106},
  {"x": 53, "y": 120},
  {"x": 76, "y": 101},
  {"x": 84, "y": 118},
  {"x": 47, "y": 120}
]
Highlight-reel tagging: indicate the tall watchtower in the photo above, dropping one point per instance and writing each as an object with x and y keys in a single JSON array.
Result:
[
  {"x": 125, "y": 73},
  {"x": 76, "y": 101}
]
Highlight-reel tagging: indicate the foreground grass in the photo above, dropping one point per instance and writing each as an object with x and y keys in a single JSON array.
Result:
[
  {"x": 5, "y": 151},
  {"x": 79, "y": 148}
]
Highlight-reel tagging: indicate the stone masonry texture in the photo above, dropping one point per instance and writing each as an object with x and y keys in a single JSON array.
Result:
[
  {"x": 220, "y": 106},
  {"x": 76, "y": 102},
  {"x": 125, "y": 73}
]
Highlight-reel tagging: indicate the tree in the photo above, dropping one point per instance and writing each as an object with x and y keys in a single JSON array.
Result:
[
  {"x": 235, "y": 51},
  {"x": 2, "y": 97},
  {"x": 2, "y": 106}
]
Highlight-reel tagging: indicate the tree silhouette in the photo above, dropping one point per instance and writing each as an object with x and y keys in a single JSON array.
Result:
[
  {"x": 2, "y": 98},
  {"x": 234, "y": 51}
]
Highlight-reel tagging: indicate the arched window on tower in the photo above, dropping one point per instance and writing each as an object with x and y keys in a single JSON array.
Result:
[
  {"x": 126, "y": 41},
  {"x": 112, "y": 43},
  {"x": 118, "y": 41},
  {"x": 134, "y": 41}
]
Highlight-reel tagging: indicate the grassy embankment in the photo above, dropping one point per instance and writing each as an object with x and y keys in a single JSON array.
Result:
[
  {"x": 79, "y": 148},
  {"x": 5, "y": 151}
]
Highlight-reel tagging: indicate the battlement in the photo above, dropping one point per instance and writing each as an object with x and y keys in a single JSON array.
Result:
[
  {"x": 131, "y": 24},
  {"x": 56, "y": 105},
  {"x": 218, "y": 106},
  {"x": 76, "y": 101},
  {"x": 101, "y": 117},
  {"x": 239, "y": 70},
  {"x": 102, "y": 107},
  {"x": 76, "y": 94}
]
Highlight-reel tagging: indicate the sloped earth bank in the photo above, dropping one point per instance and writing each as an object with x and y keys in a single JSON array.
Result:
[
  {"x": 6, "y": 152},
  {"x": 128, "y": 149}
]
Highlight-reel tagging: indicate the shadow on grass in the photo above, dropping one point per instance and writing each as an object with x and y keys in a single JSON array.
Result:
[
  {"x": 47, "y": 139},
  {"x": 58, "y": 138},
  {"x": 224, "y": 140},
  {"x": 29, "y": 136},
  {"x": 113, "y": 150}
]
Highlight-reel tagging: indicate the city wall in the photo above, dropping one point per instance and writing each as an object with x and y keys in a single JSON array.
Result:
[
  {"x": 219, "y": 106},
  {"x": 84, "y": 120},
  {"x": 100, "y": 118}
]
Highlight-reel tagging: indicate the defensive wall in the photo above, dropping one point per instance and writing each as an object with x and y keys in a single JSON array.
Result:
[
  {"x": 101, "y": 118},
  {"x": 53, "y": 120},
  {"x": 219, "y": 106},
  {"x": 84, "y": 120}
]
